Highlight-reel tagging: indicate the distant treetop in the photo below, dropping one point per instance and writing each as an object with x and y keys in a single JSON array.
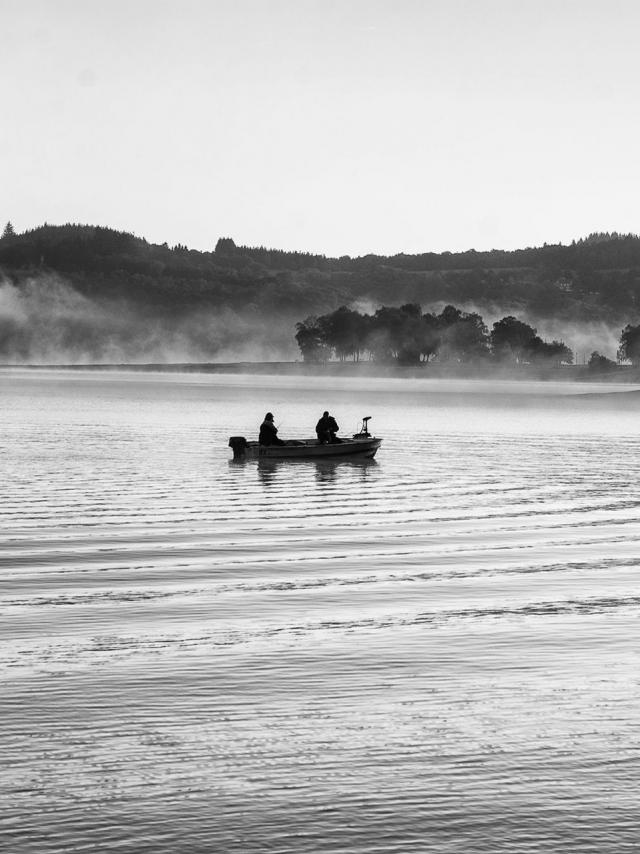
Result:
[
  {"x": 9, "y": 230},
  {"x": 225, "y": 246},
  {"x": 604, "y": 237}
]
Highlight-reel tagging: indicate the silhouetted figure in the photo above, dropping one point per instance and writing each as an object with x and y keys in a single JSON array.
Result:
[
  {"x": 269, "y": 432},
  {"x": 326, "y": 429}
]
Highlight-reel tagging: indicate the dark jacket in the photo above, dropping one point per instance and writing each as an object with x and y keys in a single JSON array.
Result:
[
  {"x": 268, "y": 433},
  {"x": 326, "y": 428}
]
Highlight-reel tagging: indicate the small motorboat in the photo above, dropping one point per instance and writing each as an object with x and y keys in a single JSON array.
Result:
[{"x": 361, "y": 444}]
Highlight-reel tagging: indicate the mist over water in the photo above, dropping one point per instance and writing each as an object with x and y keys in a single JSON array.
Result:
[
  {"x": 47, "y": 321},
  {"x": 582, "y": 337},
  {"x": 433, "y": 651}
]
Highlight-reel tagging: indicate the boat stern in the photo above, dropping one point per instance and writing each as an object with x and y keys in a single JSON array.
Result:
[{"x": 238, "y": 445}]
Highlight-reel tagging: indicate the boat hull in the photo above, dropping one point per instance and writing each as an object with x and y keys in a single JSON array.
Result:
[{"x": 310, "y": 449}]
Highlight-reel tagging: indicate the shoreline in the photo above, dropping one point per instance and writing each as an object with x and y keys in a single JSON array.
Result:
[{"x": 565, "y": 373}]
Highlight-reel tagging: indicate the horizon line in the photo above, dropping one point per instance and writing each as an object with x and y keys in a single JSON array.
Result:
[{"x": 611, "y": 235}]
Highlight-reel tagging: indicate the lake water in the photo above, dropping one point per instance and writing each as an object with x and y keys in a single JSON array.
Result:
[{"x": 434, "y": 651}]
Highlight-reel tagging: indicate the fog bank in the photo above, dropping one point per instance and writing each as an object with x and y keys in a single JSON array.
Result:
[{"x": 44, "y": 320}]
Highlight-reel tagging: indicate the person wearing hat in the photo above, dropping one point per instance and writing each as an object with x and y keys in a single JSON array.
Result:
[
  {"x": 326, "y": 429},
  {"x": 269, "y": 432}
]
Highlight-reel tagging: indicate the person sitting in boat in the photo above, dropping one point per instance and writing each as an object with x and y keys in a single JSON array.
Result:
[
  {"x": 269, "y": 432},
  {"x": 326, "y": 429}
]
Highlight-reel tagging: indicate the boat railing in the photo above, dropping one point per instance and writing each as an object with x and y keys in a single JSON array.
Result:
[{"x": 364, "y": 429}]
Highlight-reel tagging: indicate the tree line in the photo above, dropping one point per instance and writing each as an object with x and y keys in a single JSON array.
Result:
[
  {"x": 599, "y": 250},
  {"x": 598, "y": 277},
  {"x": 407, "y": 336}
]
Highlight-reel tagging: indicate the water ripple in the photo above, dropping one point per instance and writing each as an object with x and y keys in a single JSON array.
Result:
[{"x": 433, "y": 651}]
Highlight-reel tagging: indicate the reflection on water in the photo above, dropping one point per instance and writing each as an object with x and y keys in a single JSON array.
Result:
[
  {"x": 431, "y": 651},
  {"x": 326, "y": 472}
]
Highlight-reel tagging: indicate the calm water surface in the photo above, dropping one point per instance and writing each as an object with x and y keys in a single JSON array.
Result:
[{"x": 435, "y": 651}]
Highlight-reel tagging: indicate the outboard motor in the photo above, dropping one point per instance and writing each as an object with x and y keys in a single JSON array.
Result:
[{"x": 239, "y": 445}]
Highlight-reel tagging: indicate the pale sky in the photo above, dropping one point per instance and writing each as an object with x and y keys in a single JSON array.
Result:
[{"x": 330, "y": 126}]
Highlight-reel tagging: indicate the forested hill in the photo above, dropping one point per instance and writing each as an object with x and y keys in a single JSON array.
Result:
[
  {"x": 85, "y": 293},
  {"x": 594, "y": 278}
]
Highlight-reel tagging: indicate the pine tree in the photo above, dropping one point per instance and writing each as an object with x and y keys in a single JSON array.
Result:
[{"x": 9, "y": 230}]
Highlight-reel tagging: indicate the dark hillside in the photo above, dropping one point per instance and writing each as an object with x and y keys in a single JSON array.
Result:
[
  {"x": 238, "y": 295},
  {"x": 600, "y": 274}
]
